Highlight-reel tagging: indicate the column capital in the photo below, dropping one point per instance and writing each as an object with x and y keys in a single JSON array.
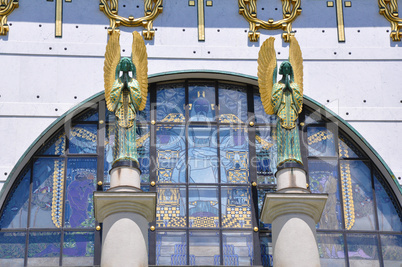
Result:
[
  {"x": 108, "y": 203},
  {"x": 277, "y": 204}
]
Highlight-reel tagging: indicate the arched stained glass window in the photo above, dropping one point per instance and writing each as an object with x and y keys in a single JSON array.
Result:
[{"x": 195, "y": 141}]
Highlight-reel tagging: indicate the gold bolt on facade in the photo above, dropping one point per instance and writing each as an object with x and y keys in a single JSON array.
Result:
[
  {"x": 256, "y": 229},
  {"x": 98, "y": 228},
  {"x": 152, "y": 183},
  {"x": 152, "y": 228},
  {"x": 251, "y": 123},
  {"x": 100, "y": 183},
  {"x": 254, "y": 184}
]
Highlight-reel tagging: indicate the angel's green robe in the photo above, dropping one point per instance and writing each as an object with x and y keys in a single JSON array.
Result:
[
  {"x": 126, "y": 102},
  {"x": 287, "y": 105}
]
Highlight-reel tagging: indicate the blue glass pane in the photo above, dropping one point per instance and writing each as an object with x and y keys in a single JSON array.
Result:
[
  {"x": 347, "y": 149},
  {"x": 320, "y": 142},
  {"x": 237, "y": 249},
  {"x": 267, "y": 155},
  {"x": 144, "y": 115},
  {"x": 44, "y": 249},
  {"x": 80, "y": 185},
  {"x": 234, "y": 155},
  {"x": 171, "y": 207},
  {"x": 83, "y": 139},
  {"x": 78, "y": 249},
  {"x": 202, "y": 102},
  {"x": 205, "y": 248},
  {"x": 202, "y": 154},
  {"x": 171, "y": 155},
  {"x": 266, "y": 250},
  {"x": 323, "y": 177},
  {"x": 391, "y": 249},
  {"x": 331, "y": 249},
  {"x": 171, "y": 249},
  {"x": 362, "y": 250},
  {"x": 15, "y": 211},
  {"x": 12, "y": 248},
  {"x": 313, "y": 116},
  {"x": 170, "y": 99},
  {"x": 236, "y": 207},
  {"x": 259, "y": 112},
  {"x": 387, "y": 208},
  {"x": 47, "y": 193},
  {"x": 261, "y": 199},
  {"x": 232, "y": 103},
  {"x": 357, "y": 195},
  {"x": 55, "y": 146},
  {"x": 90, "y": 115},
  {"x": 203, "y": 207}
]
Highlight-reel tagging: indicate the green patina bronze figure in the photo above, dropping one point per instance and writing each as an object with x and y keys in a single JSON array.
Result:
[
  {"x": 126, "y": 86},
  {"x": 283, "y": 98}
]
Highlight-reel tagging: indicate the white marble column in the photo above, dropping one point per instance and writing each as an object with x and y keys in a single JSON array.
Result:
[
  {"x": 125, "y": 212},
  {"x": 293, "y": 212}
]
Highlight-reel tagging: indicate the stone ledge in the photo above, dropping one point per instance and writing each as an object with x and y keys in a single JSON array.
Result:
[
  {"x": 277, "y": 204},
  {"x": 107, "y": 203}
]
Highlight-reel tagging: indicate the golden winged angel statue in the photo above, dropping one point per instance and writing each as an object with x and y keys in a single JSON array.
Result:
[
  {"x": 126, "y": 88},
  {"x": 284, "y": 98}
]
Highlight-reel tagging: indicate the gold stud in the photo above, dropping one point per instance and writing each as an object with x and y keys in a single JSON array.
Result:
[
  {"x": 191, "y": 3},
  {"x": 307, "y": 185},
  {"x": 101, "y": 122},
  {"x": 330, "y": 3},
  {"x": 100, "y": 183},
  {"x": 152, "y": 228},
  {"x": 98, "y": 228},
  {"x": 152, "y": 183},
  {"x": 256, "y": 229},
  {"x": 348, "y": 4},
  {"x": 153, "y": 122},
  {"x": 209, "y": 3},
  {"x": 254, "y": 184},
  {"x": 251, "y": 123},
  {"x": 302, "y": 124}
]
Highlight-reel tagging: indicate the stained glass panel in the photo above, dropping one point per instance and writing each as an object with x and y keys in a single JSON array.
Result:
[
  {"x": 144, "y": 115},
  {"x": 320, "y": 142},
  {"x": 259, "y": 112},
  {"x": 12, "y": 248},
  {"x": 387, "y": 209},
  {"x": 83, "y": 139},
  {"x": 391, "y": 250},
  {"x": 347, "y": 149},
  {"x": 55, "y": 146},
  {"x": 202, "y": 154},
  {"x": 89, "y": 115},
  {"x": 323, "y": 176},
  {"x": 357, "y": 195},
  {"x": 237, "y": 249},
  {"x": 171, "y": 249},
  {"x": 205, "y": 248},
  {"x": 261, "y": 198},
  {"x": 234, "y": 155},
  {"x": 362, "y": 250},
  {"x": 80, "y": 185},
  {"x": 203, "y": 207},
  {"x": 171, "y": 154},
  {"x": 266, "y": 151},
  {"x": 15, "y": 211},
  {"x": 202, "y": 102},
  {"x": 47, "y": 193},
  {"x": 44, "y": 249},
  {"x": 78, "y": 249},
  {"x": 171, "y": 102},
  {"x": 232, "y": 104},
  {"x": 236, "y": 207},
  {"x": 331, "y": 249},
  {"x": 171, "y": 207},
  {"x": 266, "y": 250}
]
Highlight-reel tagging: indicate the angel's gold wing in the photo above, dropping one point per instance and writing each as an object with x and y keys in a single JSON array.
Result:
[
  {"x": 296, "y": 60},
  {"x": 140, "y": 61},
  {"x": 266, "y": 73},
  {"x": 112, "y": 58}
]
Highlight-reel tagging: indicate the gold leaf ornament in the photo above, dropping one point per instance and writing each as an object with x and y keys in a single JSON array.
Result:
[
  {"x": 139, "y": 57},
  {"x": 112, "y": 59},
  {"x": 296, "y": 60}
]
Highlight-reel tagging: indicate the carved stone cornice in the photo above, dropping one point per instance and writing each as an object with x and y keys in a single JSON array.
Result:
[
  {"x": 108, "y": 203},
  {"x": 277, "y": 204},
  {"x": 152, "y": 8},
  {"x": 389, "y": 9},
  {"x": 6, "y": 7},
  {"x": 290, "y": 9}
]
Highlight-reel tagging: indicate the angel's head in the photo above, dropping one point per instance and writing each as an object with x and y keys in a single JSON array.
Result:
[
  {"x": 126, "y": 65},
  {"x": 286, "y": 68}
]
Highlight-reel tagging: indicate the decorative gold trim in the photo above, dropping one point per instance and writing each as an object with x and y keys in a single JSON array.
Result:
[
  {"x": 6, "y": 8},
  {"x": 201, "y": 21},
  {"x": 330, "y": 3},
  {"x": 291, "y": 10},
  {"x": 191, "y": 3},
  {"x": 59, "y": 17},
  {"x": 348, "y": 4},
  {"x": 152, "y": 8},
  {"x": 339, "y": 19},
  {"x": 209, "y": 3},
  {"x": 389, "y": 9}
]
